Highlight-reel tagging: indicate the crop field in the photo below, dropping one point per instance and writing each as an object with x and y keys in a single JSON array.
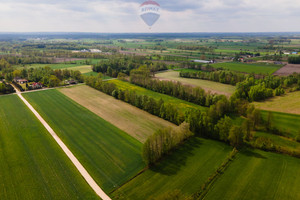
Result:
[
  {"x": 130, "y": 119},
  {"x": 289, "y": 103},
  {"x": 183, "y": 106},
  {"x": 186, "y": 169},
  {"x": 70, "y": 66},
  {"x": 32, "y": 165},
  {"x": 214, "y": 87},
  {"x": 259, "y": 175},
  {"x": 83, "y": 69},
  {"x": 285, "y": 121},
  {"x": 259, "y": 68},
  {"x": 109, "y": 154}
]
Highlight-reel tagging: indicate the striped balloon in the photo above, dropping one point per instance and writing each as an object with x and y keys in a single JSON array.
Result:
[{"x": 150, "y": 12}]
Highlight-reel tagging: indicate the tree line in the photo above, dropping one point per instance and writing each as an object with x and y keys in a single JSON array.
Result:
[
  {"x": 124, "y": 64},
  {"x": 44, "y": 75},
  {"x": 6, "y": 88},
  {"x": 163, "y": 141},
  {"x": 197, "y": 95},
  {"x": 221, "y": 76},
  {"x": 294, "y": 59}
]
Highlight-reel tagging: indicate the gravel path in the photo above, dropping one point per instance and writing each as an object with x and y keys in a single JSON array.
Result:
[{"x": 74, "y": 160}]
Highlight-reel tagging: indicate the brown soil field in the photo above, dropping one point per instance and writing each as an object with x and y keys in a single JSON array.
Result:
[
  {"x": 130, "y": 119},
  {"x": 288, "y": 69}
]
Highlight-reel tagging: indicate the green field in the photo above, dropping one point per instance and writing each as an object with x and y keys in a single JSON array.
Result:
[
  {"x": 259, "y": 175},
  {"x": 285, "y": 121},
  {"x": 66, "y": 65},
  {"x": 186, "y": 169},
  {"x": 257, "y": 68},
  {"x": 109, "y": 154},
  {"x": 214, "y": 87},
  {"x": 32, "y": 165},
  {"x": 180, "y": 104},
  {"x": 134, "y": 121},
  {"x": 280, "y": 140}
]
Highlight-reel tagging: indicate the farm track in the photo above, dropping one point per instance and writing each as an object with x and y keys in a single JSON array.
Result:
[{"x": 70, "y": 155}]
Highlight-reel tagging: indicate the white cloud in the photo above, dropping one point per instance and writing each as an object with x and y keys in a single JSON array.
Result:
[{"x": 122, "y": 16}]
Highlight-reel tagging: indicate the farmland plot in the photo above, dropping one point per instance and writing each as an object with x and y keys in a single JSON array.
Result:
[
  {"x": 32, "y": 165},
  {"x": 128, "y": 118},
  {"x": 109, "y": 155}
]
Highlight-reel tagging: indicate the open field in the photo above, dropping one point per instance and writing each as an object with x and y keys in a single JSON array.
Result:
[
  {"x": 289, "y": 103},
  {"x": 109, "y": 155},
  {"x": 70, "y": 66},
  {"x": 280, "y": 141},
  {"x": 259, "y": 175},
  {"x": 257, "y": 68},
  {"x": 288, "y": 69},
  {"x": 83, "y": 69},
  {"x": 285, "y": 121},
  {"x": 180, "y": 104},
  {"x": 130, "y": 119},
  {"x": 186, "y": 169},
  {"x": 32, "y": 165},
  {"x": 214, "y": 87}
]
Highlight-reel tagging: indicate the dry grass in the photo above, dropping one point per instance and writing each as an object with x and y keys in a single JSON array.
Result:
[
  {"x": 130, "y": 119},
  {"x": 83, "y": 69},
  {"x": 289, "y": 103},
  {"x": 213, "y": 87}
]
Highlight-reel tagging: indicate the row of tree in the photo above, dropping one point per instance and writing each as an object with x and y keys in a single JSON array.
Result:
[
  {"x": 45, "y": 75},
  {"x": 163, "y": 141},
  {"x": 6, "y": 88},
  {"x": 294, "y": 59},
  {"x": 222, "y": 76},
  {"x": 124, "y": 64},
  {"x": 195, "y": 95}
]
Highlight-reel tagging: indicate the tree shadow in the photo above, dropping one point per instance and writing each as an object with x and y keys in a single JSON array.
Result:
[
  {"x": 172, "y": 163},
  {"x": 251, "y": 153}
]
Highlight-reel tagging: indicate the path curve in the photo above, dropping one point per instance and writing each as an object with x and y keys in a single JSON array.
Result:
[{"x": 74, "y": 160}]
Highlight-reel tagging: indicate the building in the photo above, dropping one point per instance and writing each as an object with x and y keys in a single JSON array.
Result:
[
  {"x": 202, "y": 61},
  {"x": 36, "y": 86},
  {"x": 95, "y": 51},
  {"x": 21, "y": 81}
]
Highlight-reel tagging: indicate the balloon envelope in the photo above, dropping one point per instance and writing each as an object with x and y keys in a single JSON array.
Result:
[{"x": 150, "y": 12}]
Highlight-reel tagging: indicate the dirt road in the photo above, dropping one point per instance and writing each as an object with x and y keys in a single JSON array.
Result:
[{"x": 74, "y": 160}]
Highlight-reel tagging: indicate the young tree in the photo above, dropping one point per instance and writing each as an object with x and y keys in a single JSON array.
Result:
[
  {"x": 236, "y": 136},
  {"x": 270, "y": 121}
]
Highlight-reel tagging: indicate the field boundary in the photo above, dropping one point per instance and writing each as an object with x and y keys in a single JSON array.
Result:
[
  {"x": 213, "y": 178},
  {"x": 70, "y": 155}
]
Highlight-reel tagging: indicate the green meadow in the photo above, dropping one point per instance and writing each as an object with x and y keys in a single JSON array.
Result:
[
  {"x": 260, "y": 175},
  {"x": 32, "y": 165},
  {"x": 186, "y": 170},
  {"x": 257, "y": 68},
  {"x": 110, "y": 155}
]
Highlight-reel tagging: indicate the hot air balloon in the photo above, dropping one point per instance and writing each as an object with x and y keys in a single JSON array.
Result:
[{"x": 150, "y": 12}]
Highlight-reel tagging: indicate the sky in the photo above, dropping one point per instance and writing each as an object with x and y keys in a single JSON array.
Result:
[{"x": 119, "y": 16}]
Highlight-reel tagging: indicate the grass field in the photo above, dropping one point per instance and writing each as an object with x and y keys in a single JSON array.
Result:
[
  {"x": 280, "y": 141},
  {"x": 285, "y": 121},
  {"x": 109, "y": 154},
  {"x": 186, "y": 169},
  {"x": 83, "y": 69},
  {"x": 214, "y": 87},
  {"x": 180, "y": 104},
  {"x": 130, "y": 119},
  {"x": 257, "y": 68},
  {"x": 32, "y": 165},
  {"x": 289, "y": 103},
  {"x": 259, "y": 175}
]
